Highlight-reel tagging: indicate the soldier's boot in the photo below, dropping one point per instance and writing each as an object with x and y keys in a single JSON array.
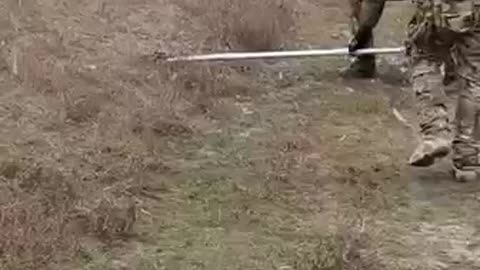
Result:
[
  {"x": 429, "y": 150},
  {"x": 363, "y": 67},
  {"x": 466, "y": 174},
  {"x": 434, "y": 122},
  {"x": 435, "y": 137},
  {"x": 466, "y": 161}
]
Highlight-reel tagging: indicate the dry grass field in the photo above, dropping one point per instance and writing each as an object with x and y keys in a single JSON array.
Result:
[{"x": 113, "y": 160}]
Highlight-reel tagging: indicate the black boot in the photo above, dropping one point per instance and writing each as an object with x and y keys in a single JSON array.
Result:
[{"x": 363, "y": 67}]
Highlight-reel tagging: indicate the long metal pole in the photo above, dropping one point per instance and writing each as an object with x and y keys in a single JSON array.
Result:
[{"x": 283, "y": 54}]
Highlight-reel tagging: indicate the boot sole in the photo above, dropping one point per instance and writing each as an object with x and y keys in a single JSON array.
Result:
[{"x": 429, "y": 159}]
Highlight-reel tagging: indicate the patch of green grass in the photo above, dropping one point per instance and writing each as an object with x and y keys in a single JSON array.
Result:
[{"x": 218, "y": 215}]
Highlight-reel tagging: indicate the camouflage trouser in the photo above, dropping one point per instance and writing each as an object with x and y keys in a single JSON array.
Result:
[
  {"x": 433, "y": 43},
  {"x": 466, "y": 143},
  {"x": 432, "y": 110}
]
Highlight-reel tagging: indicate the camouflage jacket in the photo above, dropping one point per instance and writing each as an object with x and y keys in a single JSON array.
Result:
[
  {"x": 437, "y": 24},
  {"x": 441, "y": 29}
]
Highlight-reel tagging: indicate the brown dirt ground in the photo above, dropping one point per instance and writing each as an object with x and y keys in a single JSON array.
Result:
[{"x": 271, "y": 165}]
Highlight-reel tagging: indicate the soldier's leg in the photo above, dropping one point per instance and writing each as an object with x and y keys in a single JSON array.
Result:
[
  {"x": 466, "y": 143},
  {"x": 452, "y": 85},
  {"x": 362, "y": 66},
  {"x": 432, "y": 112}
]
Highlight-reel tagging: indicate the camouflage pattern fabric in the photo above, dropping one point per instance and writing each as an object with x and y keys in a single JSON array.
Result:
[
  {"x": 466, "y": 52},
  {"x": 429, "y": 44},
  {"x": 434, "y": 40}
]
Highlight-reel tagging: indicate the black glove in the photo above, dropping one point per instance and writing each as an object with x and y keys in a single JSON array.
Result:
[
  {"x": 361, "y": 38},
  {"x": 353, "y": 46}
]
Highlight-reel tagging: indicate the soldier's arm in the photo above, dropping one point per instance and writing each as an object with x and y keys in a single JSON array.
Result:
[{"x": 370, "y": 13}]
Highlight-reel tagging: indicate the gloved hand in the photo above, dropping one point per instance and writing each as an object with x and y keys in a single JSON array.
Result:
[
  {"x": 353, "y": 45},
  {"x": 361, "y": 38}
]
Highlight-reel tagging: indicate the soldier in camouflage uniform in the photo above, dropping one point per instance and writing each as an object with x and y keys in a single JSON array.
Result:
[
  {"x": 438, "y": 37},
  {"x": 433, "y": 41},
  {"x": 466, "y": 53},
  {"x": 429, "y": 42},
  {"x": 365, "y": 15}
]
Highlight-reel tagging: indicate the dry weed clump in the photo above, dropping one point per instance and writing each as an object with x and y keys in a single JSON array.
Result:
[
  {"x": 246, "y": 25},
  {"x": 350, "y": 248},
  {"x": 114, "y": 217},
  {"x": 197, "y": 81},
  {"x": 42, "y": 217},
  {"x": 43, "y": 69},
  {"x": 34, "y": 216},
  {"x": 110, "y": 217},
  {"x": 40, "y": 63},
  {"x": 202, "y": 88},
  {"x": 258, "y": 25},
  {"x": 29, "y": 238},
  {"x": 84, "y": 106},
  {"x": 35, "y": 61},
  {"x": 120, "y": 220},
  {"x": 359, "y": 249},
  {"x": 325, "y": 254},
  {"x": 156, "y": 107},
  {"x": 185, "y": 89}
]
